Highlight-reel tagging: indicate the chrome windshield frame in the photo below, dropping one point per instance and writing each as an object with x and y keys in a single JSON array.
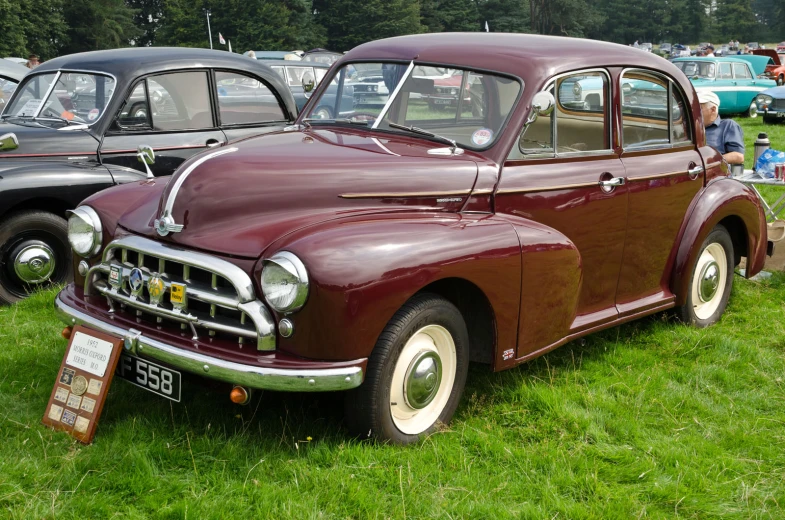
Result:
[{"x": 392, "y": 96}]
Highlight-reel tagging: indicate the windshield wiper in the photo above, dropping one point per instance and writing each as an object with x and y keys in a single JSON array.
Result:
[
  {"x": 334, "y": 120},
  {"x": 420, "y": 131}
]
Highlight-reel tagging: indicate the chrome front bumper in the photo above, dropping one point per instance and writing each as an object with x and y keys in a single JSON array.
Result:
[{"x": 284, "y": 380}]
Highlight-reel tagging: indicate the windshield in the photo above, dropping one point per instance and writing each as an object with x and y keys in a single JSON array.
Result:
[
  {"x": 462, "y": 105},
  {"x": 76, "y": 96},
  {"x": 696, "y": 69}
]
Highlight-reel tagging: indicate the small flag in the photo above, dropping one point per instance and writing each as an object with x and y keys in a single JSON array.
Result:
[
  {"x": 230, "y": 45},
  {"x": 486, "y": 25},
  {"x": 221, "y": 39}
]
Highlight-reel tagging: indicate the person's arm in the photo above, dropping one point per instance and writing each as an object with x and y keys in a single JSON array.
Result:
[{"x": 734, "y": 143}]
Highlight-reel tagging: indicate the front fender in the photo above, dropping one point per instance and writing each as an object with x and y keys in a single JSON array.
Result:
[
  {"x": 363, "y": 269},
  {"x": 720, "y": 199}
]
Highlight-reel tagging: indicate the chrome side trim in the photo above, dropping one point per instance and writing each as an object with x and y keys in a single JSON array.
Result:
[
  {"x": 506, "y": 191},
  {"x": 657, "y": 176},
  {"x": 404, "y": 194},
  {"x": 239, "y": 279},
  {"x": 279, "y": 379},
  {"x": 166, "y": 216}
]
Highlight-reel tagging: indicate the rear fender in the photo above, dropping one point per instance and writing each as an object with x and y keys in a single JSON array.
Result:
[
  {"x": 363, "y": 269},
  {"x": 722, "y": 198}
]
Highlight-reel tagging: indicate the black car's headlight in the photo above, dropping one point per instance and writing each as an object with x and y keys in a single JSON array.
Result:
[
  {"x": 284, "y": 282},
  {"x": 84, "y": 231}
]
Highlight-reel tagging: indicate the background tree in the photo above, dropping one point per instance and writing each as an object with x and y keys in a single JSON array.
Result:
[
  {"x": 98, "y": 24},
  {"x": 349, "y": 23},
  {"x": 450, "y": 15}
]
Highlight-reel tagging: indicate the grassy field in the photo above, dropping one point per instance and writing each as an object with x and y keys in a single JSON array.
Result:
[{"x": 649, "y": 420}]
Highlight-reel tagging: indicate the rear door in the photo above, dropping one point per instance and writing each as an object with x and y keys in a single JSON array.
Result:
[
  {"x": 664, "y": 173},
  {"x": 246, "y": 105},
  {"x": 726, "y": 88},
  {"x": 172, "y": 113}
]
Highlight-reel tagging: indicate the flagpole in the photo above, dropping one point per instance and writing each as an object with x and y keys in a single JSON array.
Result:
[{"x": 209, "y": 32}]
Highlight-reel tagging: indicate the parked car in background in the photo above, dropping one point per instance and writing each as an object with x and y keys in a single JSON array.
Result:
[
  {"x": 771, "y": 104},
  {"x": 646, "y": 46},
  {"x": 67, "y": 133},
  {"x": 753, "y": 46},
  {"x": 724, "y": 50},
  {"x": 10, "y": 75},
  {"x": 775, "y": 68},
  {"x": 322, "y": 56},
  {"x": 665, "y": 49},
  {"x": 18, "y": 61},
  {"x": 379, "y": 252},
  {"x": 732, "y": 79},
  {"x": 781, "y": 47},
  {"x": 296, "y": 74},
  {"x": 277, "y": 55},
  {"x": 679, "y": 50}
]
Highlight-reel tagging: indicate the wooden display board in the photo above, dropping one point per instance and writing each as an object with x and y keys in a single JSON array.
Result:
[{"x": 82, "y": 383}]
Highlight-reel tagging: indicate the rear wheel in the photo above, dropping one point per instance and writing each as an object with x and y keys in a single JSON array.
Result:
[
  {"x": 322, "y": 112},
  {"x": 416, "y": 373},
  {"x": 711, "y": 281},
  {"x": 34, "y": 253}
]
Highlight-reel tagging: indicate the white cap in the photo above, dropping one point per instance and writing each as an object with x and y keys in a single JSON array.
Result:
[{"x": 707, "y": 96}]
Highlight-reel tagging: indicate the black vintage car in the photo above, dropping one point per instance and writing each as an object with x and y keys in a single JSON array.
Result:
[{"x": 75, "y": 124}]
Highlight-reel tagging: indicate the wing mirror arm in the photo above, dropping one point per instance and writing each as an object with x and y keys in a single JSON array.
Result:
[{"x": 146, "y": 156}]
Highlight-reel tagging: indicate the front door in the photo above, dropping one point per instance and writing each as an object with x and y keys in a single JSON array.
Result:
[
  {"x": 170, "y": 112},
  {"x": 664, "y": 173},
  {"x": 565, "y": 174}
]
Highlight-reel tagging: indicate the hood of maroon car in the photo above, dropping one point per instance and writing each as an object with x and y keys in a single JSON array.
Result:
[{"x": 236, "y": 200}]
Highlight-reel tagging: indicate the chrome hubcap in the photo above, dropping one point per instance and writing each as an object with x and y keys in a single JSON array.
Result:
[
  {"x": 709, "y": 281},
  {"x": 422, "y": 379},
  {"x": 34, "y": 264}
]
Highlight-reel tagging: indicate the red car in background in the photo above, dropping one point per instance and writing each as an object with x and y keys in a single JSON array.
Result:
[{"x": 775, "y": 69}]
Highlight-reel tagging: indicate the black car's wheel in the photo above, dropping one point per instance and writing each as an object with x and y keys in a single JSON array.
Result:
[
  {"x": 34, "y": 253},
  {"x": 415, "y": 375},
  {"x": 752, "y": 111},
  {"x": 711, "y": 280},
  {"x": 323, "y": 112}
]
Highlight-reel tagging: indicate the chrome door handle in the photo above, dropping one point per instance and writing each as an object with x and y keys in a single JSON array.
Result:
[
  {"x": 212, "y": 143},
  {"x": 695, "y": 172},
  {"x": 612, "y": 183}
]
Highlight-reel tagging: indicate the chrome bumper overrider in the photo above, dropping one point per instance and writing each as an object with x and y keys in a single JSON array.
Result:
[{"x": 287, "y": 380}]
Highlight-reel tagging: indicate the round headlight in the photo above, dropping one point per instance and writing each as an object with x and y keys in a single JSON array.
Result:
[
  {"x": 763, "y": 99},
  {"x": 285, "y": 282},
  {"x": 84, "y": 231},
  {"x": 577, "y": 89}
]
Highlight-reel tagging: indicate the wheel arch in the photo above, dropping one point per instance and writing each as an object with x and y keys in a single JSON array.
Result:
[
  {"x": 734, "y": 205},
  {"x": 49, "y": 204},
  {"x": 477, "y": 313}
]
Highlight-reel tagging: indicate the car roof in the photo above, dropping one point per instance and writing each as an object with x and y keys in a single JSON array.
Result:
[
  {"x": 272, "y": 55},
  {"x": 129, "y": 63},
  {"x": 528, "y": 56},
  {"x": 15, "y": 71}
]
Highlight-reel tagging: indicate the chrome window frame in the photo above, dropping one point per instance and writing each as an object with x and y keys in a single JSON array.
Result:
[
  {"x": 554, "y": 132},
  {"x": 658, "y": 146}
]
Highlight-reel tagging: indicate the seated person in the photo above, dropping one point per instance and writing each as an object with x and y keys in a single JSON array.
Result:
[{"x": 723, "y": 134}]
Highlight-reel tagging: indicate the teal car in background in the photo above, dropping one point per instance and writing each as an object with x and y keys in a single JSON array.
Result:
[{"x": 734, "y": 80}]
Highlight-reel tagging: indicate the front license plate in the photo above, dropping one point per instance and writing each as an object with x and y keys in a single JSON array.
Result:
[
  {"x": 781, "y": 114},
  {"x": 155, "y": 378}
]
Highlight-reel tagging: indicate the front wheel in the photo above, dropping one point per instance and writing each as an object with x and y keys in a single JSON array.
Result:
[
  {"x": 34, "y": 253},
  {"x": 416, "y": 373},
  {"x": 711, "y": 281},
  {"x": 752, "y": 111}
]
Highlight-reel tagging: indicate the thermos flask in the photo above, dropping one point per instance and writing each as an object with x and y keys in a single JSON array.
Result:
[{"x": 761, "y": 145}]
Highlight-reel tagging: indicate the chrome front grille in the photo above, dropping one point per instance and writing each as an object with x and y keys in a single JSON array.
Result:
[
  {"x": 219, "y": 296},
  {"x": 779, "y": 104}
]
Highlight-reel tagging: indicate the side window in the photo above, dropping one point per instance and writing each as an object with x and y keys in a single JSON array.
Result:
[
  {"x": 280, "y": 72},
  {"x": 243, "y": 99},
  {"x": 579, "y": 121},
  {"x": 644, "y": 110},
  {"x": 296, "y": 75},
  {"x": 725, "y": 72},
  {"x": 740, "y": 71},
  {"x": 180, "y": 101},
  {"x": 135, "y": 113},
  {"x": 680, "y": 119}
]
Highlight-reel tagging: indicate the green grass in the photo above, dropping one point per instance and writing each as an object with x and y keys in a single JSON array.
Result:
[{"x": 650, "y": 420}]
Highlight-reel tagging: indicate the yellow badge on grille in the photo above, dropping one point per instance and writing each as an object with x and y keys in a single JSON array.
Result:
[
  {"x": 156, "y": 289},
  {"x": 177, "y": 295}
]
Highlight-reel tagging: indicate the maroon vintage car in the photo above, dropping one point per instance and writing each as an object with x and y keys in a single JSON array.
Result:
[{"x": 381, "y": 251}]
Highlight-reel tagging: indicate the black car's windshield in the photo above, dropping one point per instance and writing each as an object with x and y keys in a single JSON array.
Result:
[
  {"x": 465, "y": 106},
  {"x": 696, "y": 69},
  {"x": 62, "y": 96}
]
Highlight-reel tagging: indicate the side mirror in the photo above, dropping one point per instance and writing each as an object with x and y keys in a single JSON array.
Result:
[
  {"x": 8, "y": 142},
  {"x": 308, "y": 84},
  {"x": 146, "y": 156},
  {"x": 542, "y": 104}
]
